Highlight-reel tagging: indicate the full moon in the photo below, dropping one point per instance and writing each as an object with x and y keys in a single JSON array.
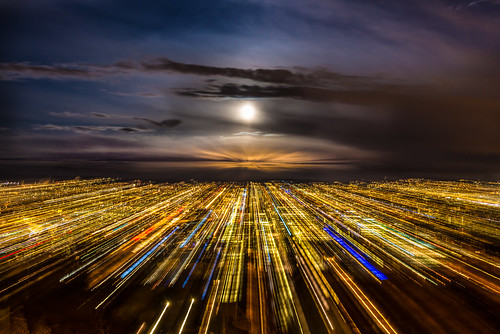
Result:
[{"x": 248, "y": 112}]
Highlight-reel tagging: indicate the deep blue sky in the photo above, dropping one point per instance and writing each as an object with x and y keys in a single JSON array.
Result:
[{"x": 342, "y": 89}]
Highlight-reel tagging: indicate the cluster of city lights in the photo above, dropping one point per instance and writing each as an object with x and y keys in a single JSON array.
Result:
[{"x": 383, "y": 257}]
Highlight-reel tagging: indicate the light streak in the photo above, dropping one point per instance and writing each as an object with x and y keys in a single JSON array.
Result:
[
  {"x": 195, "y": 230},
  {"x": 187, "y": 314},
  {"x": 354, "y": 253},
  {"x": 159, "y": 318},
  {"x": 145, "y": 256},
  {"x": 288, "y": 249}
]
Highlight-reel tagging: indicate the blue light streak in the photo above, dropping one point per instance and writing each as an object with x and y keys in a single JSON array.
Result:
[
  {"x": 354, "y": 253},
  {"x": 196, "y": 229},
  {"x": 129, "y": 270},
  {"x": 210, "y": 277}
]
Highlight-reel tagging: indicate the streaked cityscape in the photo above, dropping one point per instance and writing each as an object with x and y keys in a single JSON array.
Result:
[
  {"x": 250, "y": 167},
  {"x": 110, "y": 256}
]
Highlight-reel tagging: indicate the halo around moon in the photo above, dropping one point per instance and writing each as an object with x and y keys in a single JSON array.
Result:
[{"x": 248, "y": 112}]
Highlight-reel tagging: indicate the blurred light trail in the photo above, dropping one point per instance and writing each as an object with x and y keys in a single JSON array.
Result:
[
  {"x": 145, "y": 256},
  {"x": 275, "y": 257},
  {"x": 187, "y": 314},
  {"x": 159, "y": 318},
  {"x": 354, "y": 253}
]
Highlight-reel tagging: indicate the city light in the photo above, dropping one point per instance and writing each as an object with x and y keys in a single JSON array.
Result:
[{"x": 382, "y": 257}]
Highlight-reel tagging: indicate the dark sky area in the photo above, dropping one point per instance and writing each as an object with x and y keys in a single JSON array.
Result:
[{"x": 337, "y": 89}]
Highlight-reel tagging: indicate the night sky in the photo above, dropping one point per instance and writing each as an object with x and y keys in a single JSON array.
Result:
[{"x": 339, "y": 89}]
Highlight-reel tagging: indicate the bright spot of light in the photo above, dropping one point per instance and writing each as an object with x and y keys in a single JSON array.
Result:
[{"x": 248, "y": 112}]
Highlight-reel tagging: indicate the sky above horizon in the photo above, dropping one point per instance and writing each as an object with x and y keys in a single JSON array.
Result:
[{"x": 339, "y": 90}]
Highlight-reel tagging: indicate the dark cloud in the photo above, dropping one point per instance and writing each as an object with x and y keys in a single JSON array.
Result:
[
  {"x": 99, "y": 115},
  {"x": 130, "y": 130},
  {"x": 138, "y": 94},
  {"x": 16, "y": 71},
  {"x": 67, "y": 114},
  {"x": 361, "y": 97},
  {"x": 108, "y": 115},
  {"x": 167, "y": 123},
  {"x": 279, "y": 75},
  {"x": 88, "y": 128},
  {"x": 70, "y": 115},
  {"x": 24, "y": 70},
  {"x": 41, "y": 69}
]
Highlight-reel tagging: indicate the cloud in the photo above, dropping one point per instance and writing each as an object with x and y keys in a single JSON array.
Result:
[
  {"x": 67, "y": 114},
  {"x": 100, "y": 115},
  {"x": 26, "y": 70},
  {"x": 255, "y": 133},
  {"x": 70, "y": 114},
  {"x": 371, "y": 97},
  {"x": 108, "y": 115},
  {"x": 138, "y": 94},
  {"x": 88, "y": 128},
  {"x": 277, "y": 75},
  {"x": 242, "y": 151},
  {"x": 250, "y": 133},
  {"x": 167, "y": 123},
  {"x": 317, "y": 77}
]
